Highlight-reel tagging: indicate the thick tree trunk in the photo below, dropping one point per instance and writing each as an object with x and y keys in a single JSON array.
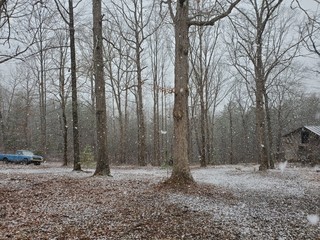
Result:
[
  {"x": 260, "y": 93},
  {"x": 102, "y": 167},
  {"x": 64, "y": 125},
  {"x": 141, "y": 128},
  {"x": 76, "y": 147},
  {"x": 269, "y": 131},
  {"x": 181, "y": 172},
  {"x": 261, "y": 131},
  {"x": 260, "y": 110},
  {"x": 140, "y": 113}
]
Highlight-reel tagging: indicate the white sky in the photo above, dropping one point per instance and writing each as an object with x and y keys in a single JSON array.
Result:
[{"x": 311, "y": 83}]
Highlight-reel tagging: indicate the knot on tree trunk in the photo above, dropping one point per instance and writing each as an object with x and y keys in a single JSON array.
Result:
[{"x": 177, "y": 114}]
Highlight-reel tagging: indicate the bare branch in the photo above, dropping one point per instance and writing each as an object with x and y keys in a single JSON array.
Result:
[{"x": 215, "y": 19}]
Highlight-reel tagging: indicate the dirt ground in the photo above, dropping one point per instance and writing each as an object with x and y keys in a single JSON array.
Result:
[{"x": 228, "y": 202}]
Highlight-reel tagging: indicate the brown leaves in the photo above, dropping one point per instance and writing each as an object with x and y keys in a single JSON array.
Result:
[
  {"x": 62, "y": 204},
  {"x": 45, "y": 206}
]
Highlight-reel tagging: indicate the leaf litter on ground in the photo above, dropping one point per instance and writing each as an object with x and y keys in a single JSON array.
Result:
[{"x": 226, "y": 202}]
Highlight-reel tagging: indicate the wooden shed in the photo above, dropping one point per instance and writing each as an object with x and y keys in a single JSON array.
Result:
[{"x": 302, "y": 145}]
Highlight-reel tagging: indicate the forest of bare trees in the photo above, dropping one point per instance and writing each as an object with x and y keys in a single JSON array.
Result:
[{"x": 156, "y": 82}]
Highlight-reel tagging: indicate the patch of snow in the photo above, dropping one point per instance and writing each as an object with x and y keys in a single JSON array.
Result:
[
  {"x": 163, "y": 132},
  {"x": 313, "y": 219},
  {"x": 282, "y": 166},
  {"x": 274, "y": 203}
]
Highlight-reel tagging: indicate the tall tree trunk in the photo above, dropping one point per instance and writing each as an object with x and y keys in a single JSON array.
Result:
[
  {"x": 181, "y": 171},
  {"x": 203, "y": 157},
  {"x": 126, "y": 124},
  {"x": 201, "y": 89},
  {"x": 64, "y": 124},
  {"x": 269, "y": 131},
  {"x": 140, "y": 113},
  {"x": 2, "y": 134},
  {"x": 261, "y": 130},
  {"x": 260, "y": 110},
  {"x": 75, "y": 127},
  {"x": 231, "y": 156},
  {"x": 102, "y": 167},
  {"x": 122, "y": 150},
  {"x": 164, "y": 136},
  {"x": 65, "y": 136},
  {"x": 64, "y": 130},
  {"x": 156, "y": 134},
  {"x": 42, "y": 93},
  {"x": 260, "y": 93}
]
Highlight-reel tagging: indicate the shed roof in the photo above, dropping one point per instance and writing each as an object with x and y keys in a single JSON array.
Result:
[{"x": 314, "y": 129}]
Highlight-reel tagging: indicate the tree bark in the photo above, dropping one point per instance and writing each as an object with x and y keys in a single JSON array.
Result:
[
  {"x": 76, "y": 145},
  {"x": 156, "y": 125},
  {"x": 260, "y": 110},
  {"x": 181, "y": 171},
  {"x": 102, "y": 167},
  {"x": 231, "y": 156},
  {"x": 269, "y": 132},
  {"x": 140, "y": 112},
  {"x": 63, "y": 107},
  {"x": 2, "y": 134}
]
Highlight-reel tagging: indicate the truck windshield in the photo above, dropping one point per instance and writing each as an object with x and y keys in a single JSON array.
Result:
[{"x": 25, "y": 153}]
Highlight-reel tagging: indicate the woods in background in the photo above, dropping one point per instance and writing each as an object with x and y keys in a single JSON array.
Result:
[{"x": 247, "y": 79}]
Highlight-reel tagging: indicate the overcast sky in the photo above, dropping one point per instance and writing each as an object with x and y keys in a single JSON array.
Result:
[{"x": 311, "y": 83}]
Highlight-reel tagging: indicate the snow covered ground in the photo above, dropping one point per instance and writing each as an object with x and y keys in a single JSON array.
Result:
[{"x": 278, "y": 204}]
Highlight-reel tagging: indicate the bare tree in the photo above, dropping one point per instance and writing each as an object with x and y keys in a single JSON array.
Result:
[
  {"x": 27, "y": 88},
  {"x": 260, "y": 53},
  {"x": 40, "y": 25},
  {"x": 8, "y": 98},
  {"x": 209, "y": 80},
  {"x": 61, "y": 89},
  {"x": 75, "y": 128},
  {"x": 102, "y": 167},
  {"x": 120, "y": 70},
  {"x": 2, "y": 4},
  {"x": 283, "y": 93},
  {"x": 136, "y": 18},
  {"x": 311, "y": 29},
  {"x": 14, "y": 27},
  {"x": 244, "y": 99},
  {"x": 182, "y": 21},
  {"x": 159, "y": 64}
]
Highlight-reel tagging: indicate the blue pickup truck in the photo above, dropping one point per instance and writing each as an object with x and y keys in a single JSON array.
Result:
[{"x": 22, "y": 156}]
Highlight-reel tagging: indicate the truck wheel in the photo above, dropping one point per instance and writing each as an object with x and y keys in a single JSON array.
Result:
[
  {"x": 6, "y": 160},
  {"x": 36, "y": 163},
  {"x": 25, "y": 161}
]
